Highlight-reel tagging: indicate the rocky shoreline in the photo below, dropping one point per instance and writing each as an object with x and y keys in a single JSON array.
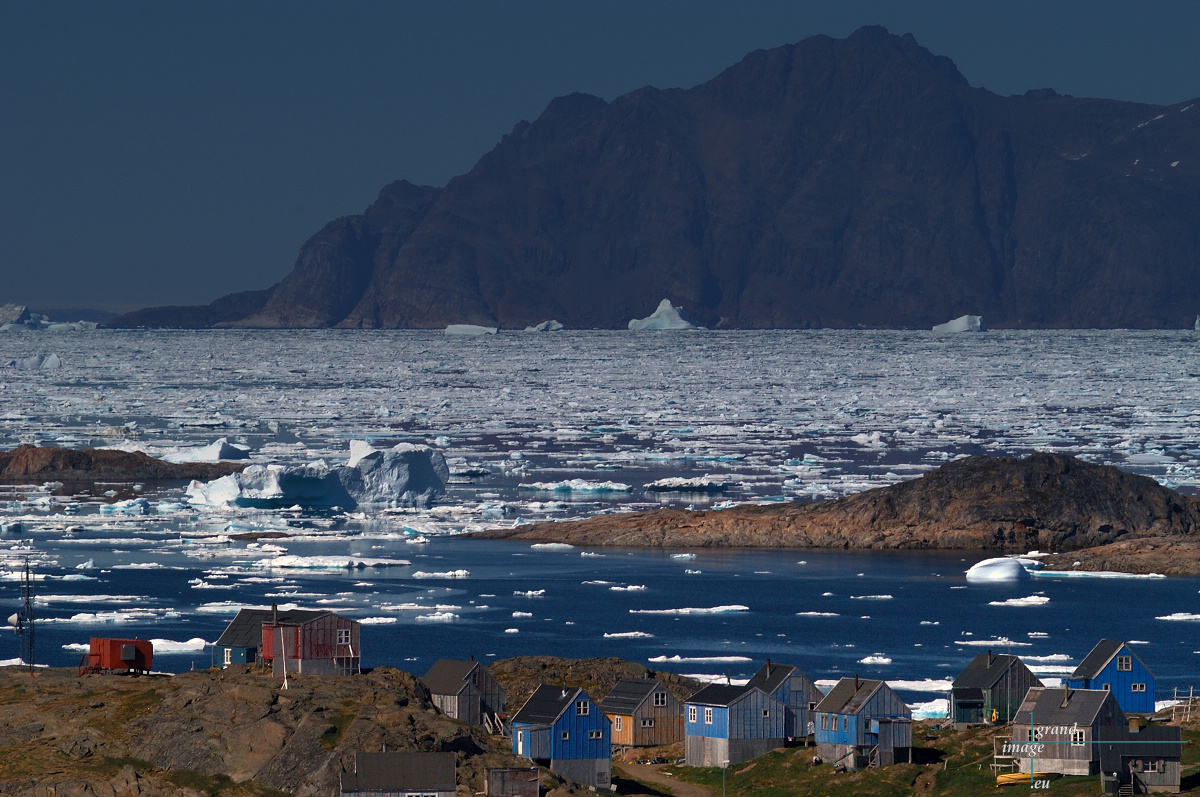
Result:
[
  {"x": 28, "y": 463},
  {"x": 1096, "y": 515}
]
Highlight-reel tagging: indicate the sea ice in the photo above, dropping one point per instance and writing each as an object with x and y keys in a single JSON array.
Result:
[
  {"x": 552, "y": 546},
  {"x": 964, "y": 323},
  {"x": 630, "y": 588},
  {"x": 469, "y": 330},
  {"x": 817, "y": 614},
  {"x": 666, "y": 316},
  {"x": 629, "y": 635},
  {"x": 999, "y": 569},
  {"x": 1032, "y": 600},
  {"x": 870, "y": 597},
  {"x": 700, "y": 484},
  {"x": 442, "y": 574},
  {"x": 292, "y": 562},
  {"x": 217, "y": 451},
  {"x": 692, "y": 610},
  {"x": 577, "y": 486},
  {"x": 545, "y": 326},
  {"x": 697, "y": 659},
  {"x": 437, "y": 617},
  {"x": 875, "y": 658},
  {"x": 1184, "y": 616}
]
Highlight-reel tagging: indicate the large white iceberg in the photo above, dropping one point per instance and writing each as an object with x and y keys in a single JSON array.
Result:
[
  {"x": 964, "y": 323},
  {"x": 406, "y": 475},
  {"x": 545, "y": 326},
  {"x": 1002, "y": 569},
  {"x": 667, "y": 316}
]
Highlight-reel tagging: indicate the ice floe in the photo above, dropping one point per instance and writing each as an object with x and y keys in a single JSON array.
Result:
[
  {"x": 689, "y": 610},
  {"x": 871, "y": 597},
  {"x": 665, "y": 316},
  {"x": 576, "y": 486},
  {"x": 964, "y": 323},
  {"x": 875, "y": 658},
  {"x": 469, "y": 330},
  {"x": 292, "y": 562},
  {"x": 630, "y": 588},
  {"x": 699, "y": 484},
  {"x": 1032, "y": 600},
  {"x": 1001, "y": 642},
  {"x": 1180, "y": 616},
  {"x": 217, "y": 451},
  {"x": 442, "y": 574},
  {"x": 697, "y": 659},
  {"x": 817, "y": 614},
  {"x": 437, "y": 617},
  {"x": 628, "y": 635},
  {"x": 931, "y": 709},
  {"x": 552, "y": 546}
]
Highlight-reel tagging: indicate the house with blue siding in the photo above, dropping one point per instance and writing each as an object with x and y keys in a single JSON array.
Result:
[
  {"x": 561, "y": 728},
  {"x": 1112, "y": 666},
  {"x": 730, "y": 724},
  {"x": 863, "y": 723},
  {"x": 789, "y": 685}
]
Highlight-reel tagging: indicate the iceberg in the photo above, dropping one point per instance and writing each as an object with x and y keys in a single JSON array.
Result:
[
  {"x": 469, "y": 330},
  {"x": 930, "y": 710},
  {"x": 700, "y": 484},
  {"x": 667, "y": 316},
  {"x": 1032, "y": 600},
  {"x": 545, "y": 326},
  {"x": 404, "y": 476},
  {"x": 964, "y": 323},
  {"x": 576, "y": 486},
  {"x": 1000, "y": 569},
  {"x": 217, "y": 451},
  {"x": 38, "y": 362}
]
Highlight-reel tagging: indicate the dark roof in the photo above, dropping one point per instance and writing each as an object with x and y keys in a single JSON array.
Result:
[
  {"x": 400, "y": 772},
  {"x": 546, "y": 704},
  {"x": 1094, "y": 662},
  {"x": 718, "y": 695},
  {"x": 983, "y": 671},
  {"x": 843, "y": 698},
  {"x": 770, "y": 676},
  {"x": 1045, "y": 704},
  {"x": 1156, "y": 741},
  {"x": 245, "y": 630},
  {"x": 627, "y": 695},
  {"x": 447, "y": 676}
]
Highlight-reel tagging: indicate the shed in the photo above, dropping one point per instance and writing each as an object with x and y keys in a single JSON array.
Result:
[
  {"x": 1144, "y": 760},
  {"x": 117, "y": 655},
  {"x": 990, "y": 689},
  {"x": 643, "y": 713},
  {"x": 324, "y": 645},
  {"x": 730, "y": 724},
  {"x": 788, "y": 684},
  {"x": 466, "y": 691},
  {"x": 561, "y": 728},
  {"x": 400, "y": 775},
  {"x": 242, "y": 638},
  {"x": 513, "y": 782},
  {"x": 1115, "y": 667},
  {"x": 1055, "y": 730},
  {"x": 863, "y": 723}
]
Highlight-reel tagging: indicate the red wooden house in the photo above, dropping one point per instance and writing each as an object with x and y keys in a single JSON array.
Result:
[{"x": 327, "y": 644}]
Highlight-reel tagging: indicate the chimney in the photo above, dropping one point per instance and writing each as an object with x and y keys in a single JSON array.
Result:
[
  {"x": 856, "y": 683},
  {"x": 768, "y": 668},
  {"x": 991, "y": 658},
  {"x": 728, "y": 680},
  {"x": 472, "y": 657},
  {"x": 1066, "y": 695},
  {"x": 274, "y": 614}
]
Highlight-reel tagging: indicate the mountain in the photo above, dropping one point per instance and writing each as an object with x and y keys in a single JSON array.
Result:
[
  {"x": 829, "y": 183},
  {"x": 1048, "y": 502}
]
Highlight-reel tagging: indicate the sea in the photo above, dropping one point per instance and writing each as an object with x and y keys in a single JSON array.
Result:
[{"x": 545, "y": 426}]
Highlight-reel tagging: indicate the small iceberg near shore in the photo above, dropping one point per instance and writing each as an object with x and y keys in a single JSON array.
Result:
[
  {"x": 1003, "y": 568},
  {"x": 964, "y": 323},
  {"x": 545, "y": 326},
  {"x": 666, "y": 316}
]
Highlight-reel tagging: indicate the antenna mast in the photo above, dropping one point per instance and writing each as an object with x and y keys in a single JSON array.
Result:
[{"x": 22, "y": 620}]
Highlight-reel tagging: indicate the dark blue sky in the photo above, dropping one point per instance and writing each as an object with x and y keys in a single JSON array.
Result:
[{"x": 173, "y": 152}]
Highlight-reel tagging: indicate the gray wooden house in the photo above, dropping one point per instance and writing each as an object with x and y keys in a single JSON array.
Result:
[
  {"x": 990, "y": 689},
  {"x": 400, "y": 775},
  {"x": 466, "y": 691},
  {"x": 1066, "y": 723},
  {"x": 643, "y": 713},
  {"x": 863, "y": 723},
  {"x": 1144, "y": 760},
  {"x": 730, "y": 724},
  {"x": 789, "y": 685}
]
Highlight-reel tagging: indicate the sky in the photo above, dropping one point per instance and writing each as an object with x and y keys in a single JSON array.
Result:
[{"x": 173, "y": 152}]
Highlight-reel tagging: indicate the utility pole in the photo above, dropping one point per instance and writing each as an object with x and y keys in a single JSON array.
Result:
[{"x": 724, "y": 768}]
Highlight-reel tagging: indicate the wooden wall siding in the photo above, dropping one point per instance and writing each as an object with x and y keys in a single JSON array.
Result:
[
  {"x": 1007, "y": 693},
  {"x": 480, "y": 693},
  {"x": 622, "y": 736},
  {"x": 513, "y": 782},
  {"x": 1121, "y": 684},
  {"x": 1062, "y": 757},
  {"x": 594, "y": 772},
  {"x": 532, "y": 741},
  {"x": 491, "y": 693},
  {"x": 577, "y": 727},
  {"x": 668, "y": 721},
  {"x": 447, "y": 704},
  {"x": 743, "y": 719},
  {"x": 706, "y": 751},
  {"x": 796, "y": 693},
  {"x": 884, "y": 703}
]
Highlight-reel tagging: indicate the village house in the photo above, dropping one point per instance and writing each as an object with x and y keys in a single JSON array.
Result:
[
  {"x": 1056, "y": 730},
  {"x": 466, "y": 691},
  {"x": 730, "y": 724},
  {"x": 563, "y": 729},
  {"x": 400, "y": 775},
  {"x": 513, "y": 782},
  {"x": 863, "y": 723},
  {"x": 327, "y": 644},
  {"x": 1114, "y": 667},
  {"x": 1141, "y": 759},
  {"x": 242, "y": 638},
  {"x": 643, "y": 713},
  {"x": 789, "y": 685},
  {"x": 989, "y": 690}
]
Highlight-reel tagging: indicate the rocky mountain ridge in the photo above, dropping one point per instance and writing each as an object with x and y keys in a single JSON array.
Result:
[
  {"x": 829, "y": 183},
  {"x": 1048, "y": 502}
]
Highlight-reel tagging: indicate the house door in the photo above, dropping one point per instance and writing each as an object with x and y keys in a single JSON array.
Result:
[{"x": 520, "y": 743}]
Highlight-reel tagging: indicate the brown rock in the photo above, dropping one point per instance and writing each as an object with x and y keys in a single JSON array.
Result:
[{"x": 92, "y": 464}]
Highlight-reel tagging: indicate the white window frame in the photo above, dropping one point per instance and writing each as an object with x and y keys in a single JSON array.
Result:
[
  {"x": 660, "y": 699},
  {"x": 824, "y": 722},
  {"x": 707, "y": 715},
  {"x": 766, "y": 713},
  {"x": 647, "y": 723},
  {"x": 595, "y": 734},
  {"x": 228, "y": 656},
  {"x": 618, "y": 722},
  {"x": 1138, "y": 688},
  {"x": 343, "y": 636},
  {"x": 691, "y": 713},
  {"x": 1079, "y": 737},
  {"x": 566, "y": 736},
  {"x": 582, "y": 708},
  {"x": 1124, "y": 663}
]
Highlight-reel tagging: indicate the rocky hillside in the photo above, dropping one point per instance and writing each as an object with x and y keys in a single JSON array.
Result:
[
  {"x": 33, "y": 463},
  {"x": 829, "y": 183},
  {"x": 1049, "y": 502}
]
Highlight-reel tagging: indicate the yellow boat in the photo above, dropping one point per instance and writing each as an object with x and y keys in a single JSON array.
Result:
[{"x": 1017, "y": 778}]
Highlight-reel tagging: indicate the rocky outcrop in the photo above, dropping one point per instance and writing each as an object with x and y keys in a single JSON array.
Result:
[
  {"x": 1049, "y": 502},
  {"x": 27, "y": 462},
  {"x": 829, "y": 183},
  {"x": 221, "y": 312}
]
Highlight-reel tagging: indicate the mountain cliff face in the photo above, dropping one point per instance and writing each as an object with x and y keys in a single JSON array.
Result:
[{"x": 835, "y": 183}]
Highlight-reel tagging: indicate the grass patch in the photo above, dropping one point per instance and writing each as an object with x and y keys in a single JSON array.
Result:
[
  {"x": 212, "y": 785},
  {"x": 340, "y": 722}
]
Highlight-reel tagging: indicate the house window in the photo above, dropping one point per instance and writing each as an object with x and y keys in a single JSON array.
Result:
[
  {"x": 343, "y": 636},
  {"x": 766, "y": 713},
  {"x": 1124, "y": 663},
  {"x": 582, "y": 708},
  {"x": 691, "y": 713},
  {"x": 595, "y": 734},
  {"x": 824, "y": 722},
  {"x": 228, "y": 656},
  {"x": 1077, "y": 737},
  {"x": 708, "y": 716},
  {"x": 1107, "y": 687},
  {"x": 845, "y": 723},
  {"x": 1156, "y": 765},
  {"x": 660, "y": 699},
  {"x": 601, "y": 778},
  {"x": 812, "y": 706},
  {"x": 647, "y": 723},
  {"x": 1139, "y": 687},
  {"x": 566, "y": 736},
  {"x": 618, "y": 723}
]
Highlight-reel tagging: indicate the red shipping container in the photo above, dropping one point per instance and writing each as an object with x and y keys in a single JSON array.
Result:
[{"x": 128, "y": 655}]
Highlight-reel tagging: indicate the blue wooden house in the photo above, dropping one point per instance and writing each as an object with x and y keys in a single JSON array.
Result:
[
  {"x": 789, "y": 685},
  {"x": 863, "y": 723},
  {"x": 561, "y": 728},
  {"x": 729, "y": 724},
  {"x": 1112, "y": 666}
]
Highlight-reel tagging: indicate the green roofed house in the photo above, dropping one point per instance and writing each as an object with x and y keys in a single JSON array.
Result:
[{"x": 990, "y": 690}]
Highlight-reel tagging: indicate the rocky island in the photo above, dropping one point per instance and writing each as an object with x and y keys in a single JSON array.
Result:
[
  {"x": 1098, "y": 515},
  {"x": 83, "y": 466}
]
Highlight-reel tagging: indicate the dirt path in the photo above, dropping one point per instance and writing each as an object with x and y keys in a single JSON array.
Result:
[{"x": 649, "y": 773}]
